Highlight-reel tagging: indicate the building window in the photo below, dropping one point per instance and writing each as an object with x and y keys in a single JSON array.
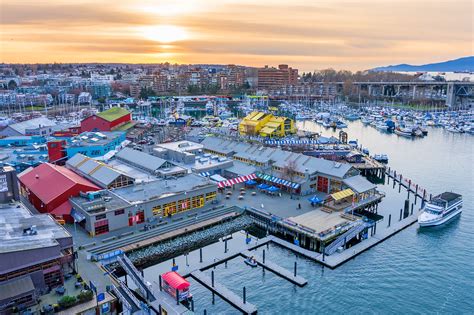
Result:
[
  {"x": 197, "y": 201},
  {"x": 100, "y": 216},
  {"x": 211, "y": 195},
  {"x": 184, "y": 204},
  {"x": 156, "y": 210},
  {"x": 119, "y": 212},
  {"x": 169, "y": 208},
  {"x": 101, "y": 227}
]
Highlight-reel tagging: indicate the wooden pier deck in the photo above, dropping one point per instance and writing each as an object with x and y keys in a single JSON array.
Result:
[
  {"x": 279, "y": 271},
  {"x": 224, "y": 293}
]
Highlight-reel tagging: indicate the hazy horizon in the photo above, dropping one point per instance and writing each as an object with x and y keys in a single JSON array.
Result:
[{"x": 353, "y": 35}]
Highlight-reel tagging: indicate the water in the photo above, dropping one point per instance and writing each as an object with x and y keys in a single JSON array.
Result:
[{"x": 415, "y": 272}]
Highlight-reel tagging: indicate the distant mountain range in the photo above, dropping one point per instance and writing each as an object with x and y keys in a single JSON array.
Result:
[{"x": 461, "y": 64}]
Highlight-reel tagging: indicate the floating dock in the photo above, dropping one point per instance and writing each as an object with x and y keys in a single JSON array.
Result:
[
  {"x": 224, "y": 293},
  {"x": 282, "y": 272}
]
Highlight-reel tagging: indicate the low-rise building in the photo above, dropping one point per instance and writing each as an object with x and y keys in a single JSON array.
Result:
[
  {"x": 48, "y": 188},
  {"x": 99, "y": 173},
  {"x": 40, "y": 126},
  {"x": 104, "y": 211},
  {"x": 91, "y": 144},
  {"x": 35, "y": 254},
  {"x": 107, "y": 120},
  {"x": 150, "y": 163},
  {"x": 266, "y": 125},
  {"x": 294, "y": 172}
]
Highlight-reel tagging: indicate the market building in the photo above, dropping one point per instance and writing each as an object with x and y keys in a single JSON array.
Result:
[
  {"x": 48, "y": 188},
  {"x": 98, "y": 172},
  {"x": 266, "y": 125},
  {"x": 111, "y": 119},
  {"x": 35, "y": 254},
  {"x": 91, "y": 144},
  {"x": 107, "y": 210},
  {"x": 293, "y": 172}
]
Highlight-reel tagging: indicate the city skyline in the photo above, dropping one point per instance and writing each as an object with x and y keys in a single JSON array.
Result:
[{"x": 337, "y": 34}]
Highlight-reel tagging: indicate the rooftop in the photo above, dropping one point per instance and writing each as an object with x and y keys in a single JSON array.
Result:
[
  {"x": 34, "y": 123},
  {"x": 162, "y": 188},
  {"x": 15, "y": 218},
  {"x": 181, "y": 146},
  {"x": 147, "y": 161},
  {"x": 106, "y": 201},
  {"x": 113, "y": 113},
  {"x": 48, "y": 181},
  {"x": 94, "y": 138},
  {"x": 98, "y": 172}
]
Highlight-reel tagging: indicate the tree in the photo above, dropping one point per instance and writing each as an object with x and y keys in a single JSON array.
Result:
[
  {"x": 85, "y": 296},
  {"x": 67, "y": 301}
]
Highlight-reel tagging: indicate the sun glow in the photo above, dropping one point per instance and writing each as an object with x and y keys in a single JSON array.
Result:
[{"x": 165, "y": 33}]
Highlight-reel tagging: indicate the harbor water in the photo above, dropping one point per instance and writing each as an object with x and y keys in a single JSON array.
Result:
[{"x": 417, "y": 271}]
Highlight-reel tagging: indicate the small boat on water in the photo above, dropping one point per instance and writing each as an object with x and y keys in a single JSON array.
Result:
[
  {"x": 404, "y": 132},
  {"x": 440, "y": 209},
  {"x": 251, "y": 262},
  {"x": 382, "y": 126},
  {"x": 382, "y": 158}
]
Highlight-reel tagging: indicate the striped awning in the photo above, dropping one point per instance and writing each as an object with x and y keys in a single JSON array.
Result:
[
  {"x": 237, "y": 180},
  {"x": 205, "y": 174},
  {"x": 342, "y": 194},
  {"x": 291, "y": 142},
  {"x": 278, "y": 181}
]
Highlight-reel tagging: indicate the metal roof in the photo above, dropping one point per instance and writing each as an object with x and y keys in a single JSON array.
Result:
[
  {"x": 48, "y": 181},
  {"x": 144, "y": 160},
  {"x": 359, "y": 184},
  {"x": 100, "y": 173},
  {"x": 32, "y": 124},
  {"x": 16, "y": 287}
]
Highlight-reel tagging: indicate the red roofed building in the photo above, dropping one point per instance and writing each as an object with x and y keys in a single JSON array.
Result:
[
  {"x": 48, "y": 188},
  {"x": 112, "y": 119}
]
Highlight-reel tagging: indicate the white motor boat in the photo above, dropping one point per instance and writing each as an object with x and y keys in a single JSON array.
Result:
[{"x": 440, "y": 209}]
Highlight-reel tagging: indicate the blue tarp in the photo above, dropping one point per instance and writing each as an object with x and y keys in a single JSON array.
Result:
[
  {"x": 263, "y": 186},
  {"x": 250, "y": 182}
]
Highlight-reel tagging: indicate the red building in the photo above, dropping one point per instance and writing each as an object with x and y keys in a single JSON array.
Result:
[
  {"x": 107, "y": 120},
  {"x": 48, "y": 188}
]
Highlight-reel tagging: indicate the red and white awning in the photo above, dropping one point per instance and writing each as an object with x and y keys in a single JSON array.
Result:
[{"x": 237, "y": 180}]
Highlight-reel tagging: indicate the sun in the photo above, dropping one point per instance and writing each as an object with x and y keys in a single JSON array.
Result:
[{"x": 165, "y": 33}]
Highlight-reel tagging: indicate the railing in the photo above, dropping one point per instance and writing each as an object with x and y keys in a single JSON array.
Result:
[{"x": 344, "y": 238}]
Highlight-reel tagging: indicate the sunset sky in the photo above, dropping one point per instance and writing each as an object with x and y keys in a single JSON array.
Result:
[{"x": 343, "y": 34}]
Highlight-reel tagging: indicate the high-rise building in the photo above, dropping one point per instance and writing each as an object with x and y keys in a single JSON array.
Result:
[{"x": 270, "y": 77}]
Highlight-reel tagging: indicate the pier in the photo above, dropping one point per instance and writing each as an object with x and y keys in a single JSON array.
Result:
[
  {"x": 410, "y": 186},
  {"x": 282, "y": 272},
  {"x": 224, "y": 293}
]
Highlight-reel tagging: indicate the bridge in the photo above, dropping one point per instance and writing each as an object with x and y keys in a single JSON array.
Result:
[{"x": 453, "y": 93}]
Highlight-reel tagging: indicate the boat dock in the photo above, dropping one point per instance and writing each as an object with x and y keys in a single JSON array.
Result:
[
  {"x": 224, "y": 293},
  {"x": 410, "y": 186},
  {"x": 282, "y": 272}
]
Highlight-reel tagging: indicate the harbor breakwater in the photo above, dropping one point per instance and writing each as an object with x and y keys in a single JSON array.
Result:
[{"x": 162, "y": 251}]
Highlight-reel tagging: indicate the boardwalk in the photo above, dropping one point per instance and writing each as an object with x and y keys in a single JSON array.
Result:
[
  {"x": 224, "y": 293},
  {"x": 279, "y": 271},
  {"x": 411, "y": 187}
]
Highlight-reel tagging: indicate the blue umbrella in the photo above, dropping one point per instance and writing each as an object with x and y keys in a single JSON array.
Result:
[
  {"x": 273, "y": 189},
  {"x": 314, "y": 199},
  {"x": 250, "y": 182},
  {"x": 263, "y": 186}
]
